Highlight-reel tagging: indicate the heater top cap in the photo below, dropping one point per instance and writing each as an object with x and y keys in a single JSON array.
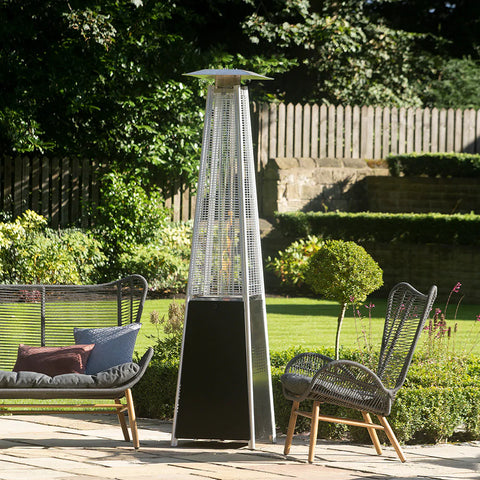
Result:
[{"x": 225, "y": 72}]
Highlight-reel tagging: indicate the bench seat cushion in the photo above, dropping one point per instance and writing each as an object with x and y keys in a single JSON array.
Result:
[{"x": 113, "y": 377}]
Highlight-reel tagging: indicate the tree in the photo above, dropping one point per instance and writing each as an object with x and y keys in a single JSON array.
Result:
[
  {"x": 456, "y": 85},
  {"x": 341, "y": 55},
  {"x": 343, "y": 272},
  {"x": 100, "y": 79},
  {"x": 454, "y": 26}
]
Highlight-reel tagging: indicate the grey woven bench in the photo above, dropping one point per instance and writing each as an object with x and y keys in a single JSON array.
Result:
[{"x": 46, "y": 316}]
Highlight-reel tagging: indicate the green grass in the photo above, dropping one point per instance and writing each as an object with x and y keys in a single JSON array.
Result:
[{"x": 311, "y": 323}]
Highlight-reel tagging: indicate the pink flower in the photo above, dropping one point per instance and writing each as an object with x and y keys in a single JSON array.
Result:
[
  {"x": 456, "y": 288},
  {"x": 369, "y": 306},
  {"x": 478, "y": 318}
]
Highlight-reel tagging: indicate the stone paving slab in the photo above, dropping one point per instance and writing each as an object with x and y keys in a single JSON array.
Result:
[{"x": 79, "y": 448}]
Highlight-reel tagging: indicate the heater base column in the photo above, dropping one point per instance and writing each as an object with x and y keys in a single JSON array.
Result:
[{"x": 213, "y": 394}]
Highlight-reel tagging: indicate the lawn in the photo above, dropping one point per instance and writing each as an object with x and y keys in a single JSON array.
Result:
[{"x": 311, "y": 323}]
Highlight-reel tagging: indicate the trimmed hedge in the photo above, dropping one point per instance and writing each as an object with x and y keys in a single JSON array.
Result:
[
  {"x": 422, "y": 413},
  {"x": 435, "y": 164},
  {"x": 383, "y": 227}
]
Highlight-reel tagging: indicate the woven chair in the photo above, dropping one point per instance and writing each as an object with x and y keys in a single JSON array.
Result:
[{"x": 311, "y": 376}]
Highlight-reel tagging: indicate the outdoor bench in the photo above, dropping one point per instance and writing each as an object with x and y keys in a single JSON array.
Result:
[{"x": 33, "y": 316}]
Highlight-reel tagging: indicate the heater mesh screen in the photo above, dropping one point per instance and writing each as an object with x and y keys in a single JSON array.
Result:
[{"x": 226, "y": 217}]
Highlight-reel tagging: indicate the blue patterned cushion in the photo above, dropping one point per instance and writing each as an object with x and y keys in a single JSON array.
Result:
[{"x": 113, "y": 345}]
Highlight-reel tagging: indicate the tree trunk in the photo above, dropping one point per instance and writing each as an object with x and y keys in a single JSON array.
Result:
[{"x": 339, "y": 327}]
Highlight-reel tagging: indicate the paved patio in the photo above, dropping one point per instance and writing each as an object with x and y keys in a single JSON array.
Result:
[{"x": 90, "y": 447}]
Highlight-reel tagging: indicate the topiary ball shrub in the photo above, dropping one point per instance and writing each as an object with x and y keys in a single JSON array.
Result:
[{"x": 343, "y": 272}]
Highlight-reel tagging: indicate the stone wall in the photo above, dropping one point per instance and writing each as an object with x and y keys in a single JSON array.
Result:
[
  {"x": 291, "y": 184},
  {"x": 320, "y": 184}
]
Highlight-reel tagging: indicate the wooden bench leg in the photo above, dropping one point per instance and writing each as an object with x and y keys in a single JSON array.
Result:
[
  {"x": 132, "y": 418},
  {"x": 123, "y": 423}
]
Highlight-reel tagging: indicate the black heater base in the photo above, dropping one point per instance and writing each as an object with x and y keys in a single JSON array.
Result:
[{"x": 213, "y": 396}]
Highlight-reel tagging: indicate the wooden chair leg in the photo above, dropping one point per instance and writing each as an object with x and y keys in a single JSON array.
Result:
[
  {"x": 372, "y": 432},
  {"x": 393, "y": 439},
  {"x": 123, "y": 423},
  {"x": 132, "y": 418},
  {"x": 291, "y": 428},
  {"x": 313, "y": 431}
]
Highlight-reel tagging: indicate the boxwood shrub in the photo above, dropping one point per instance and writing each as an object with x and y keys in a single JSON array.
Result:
[
  {"x": 435, "y": 164},
  {"x": 422, "y": 412},
  {"x": 382, "y": 227}
]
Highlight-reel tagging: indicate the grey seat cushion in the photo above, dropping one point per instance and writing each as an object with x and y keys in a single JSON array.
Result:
[
  {"x": 295, "y": 383},
  {"x": 113, "y": 377}
]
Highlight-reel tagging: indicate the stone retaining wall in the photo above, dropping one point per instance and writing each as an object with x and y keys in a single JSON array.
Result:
[
  {"x": 309, "y": 184},
  {"x": 320, "y": 184}
]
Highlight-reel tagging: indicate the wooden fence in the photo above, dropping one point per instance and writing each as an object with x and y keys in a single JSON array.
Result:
[
  {"x": 363, "y": 132},
  {"x": 63, "y": 189}
]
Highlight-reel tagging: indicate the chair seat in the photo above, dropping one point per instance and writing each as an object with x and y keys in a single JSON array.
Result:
[{"x": 326, "y": 391}]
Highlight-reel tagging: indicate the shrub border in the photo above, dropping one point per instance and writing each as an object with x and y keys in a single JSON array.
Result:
[
  {"x": 441, "y": 164},
  {"x": 362, "y": 227}
]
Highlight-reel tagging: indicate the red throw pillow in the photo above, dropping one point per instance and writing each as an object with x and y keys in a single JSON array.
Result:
[{"x": 53, "y": 360}]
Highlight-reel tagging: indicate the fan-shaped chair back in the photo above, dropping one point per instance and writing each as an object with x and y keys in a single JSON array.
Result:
[{"x": 407, "y": 311}]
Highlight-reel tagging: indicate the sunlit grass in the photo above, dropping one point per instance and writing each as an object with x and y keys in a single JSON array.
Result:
[{"x": 312, "y": 323}]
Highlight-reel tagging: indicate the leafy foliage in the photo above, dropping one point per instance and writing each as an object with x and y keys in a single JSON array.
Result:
[
  {"x": 456, "y": 85},
  {"x": 104, "y": 79},
  {"x": 155, "y": 392},
  {"x": 164, "y": 261},
  {"x": 383, "y": 227},
  {"x": 291, "y": 264},
  {"x": 100, "y": 80},
  {"x": 421, "y": 413},
  {"x": 127, "y": 217},
  {"x": 31, "y": 253},
  {"x": 343, "y": 56},
  {"x": 342, "y": 271},
  {"x": 448, "y": 164}
]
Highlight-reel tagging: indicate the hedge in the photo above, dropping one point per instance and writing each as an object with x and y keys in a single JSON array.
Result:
[
  {"x": 422, "y": 413},
  {"x": 383, "y": 227},
  {"x": 435, "y": 164}
]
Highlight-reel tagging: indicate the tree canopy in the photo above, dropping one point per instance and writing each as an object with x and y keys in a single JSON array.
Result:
[{"x": 104, "y": 78}]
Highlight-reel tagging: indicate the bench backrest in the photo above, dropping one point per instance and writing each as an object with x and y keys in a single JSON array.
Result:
[{"x": 45, "y": 315}]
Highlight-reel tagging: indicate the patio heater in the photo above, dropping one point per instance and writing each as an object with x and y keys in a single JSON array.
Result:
[{"x": 224, "y": 389}]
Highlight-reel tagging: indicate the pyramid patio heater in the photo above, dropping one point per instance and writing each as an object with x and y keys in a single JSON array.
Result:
[{"x": 224, "y": 389}]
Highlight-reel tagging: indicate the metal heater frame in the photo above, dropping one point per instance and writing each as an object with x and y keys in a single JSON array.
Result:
[{"x": 226, "y": 260}]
